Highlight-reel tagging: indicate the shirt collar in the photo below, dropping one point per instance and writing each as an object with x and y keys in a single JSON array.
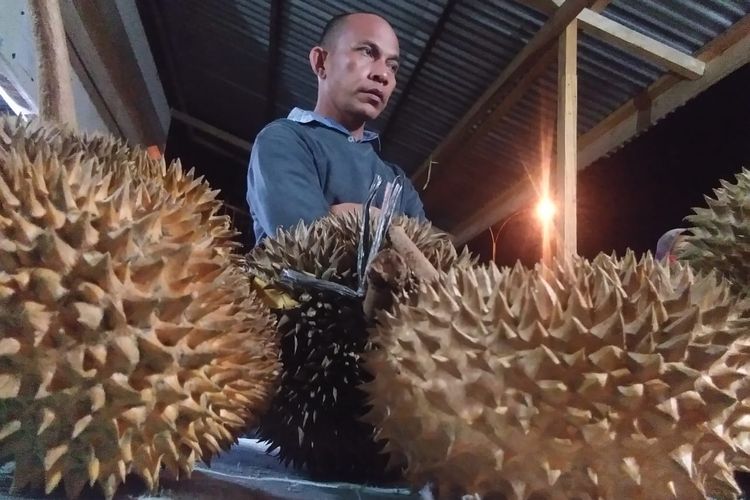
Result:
[{"x": 306, "y": 116}]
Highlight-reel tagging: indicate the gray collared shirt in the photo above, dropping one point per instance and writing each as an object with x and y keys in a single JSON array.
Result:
[{"x": 303, "y": 164}]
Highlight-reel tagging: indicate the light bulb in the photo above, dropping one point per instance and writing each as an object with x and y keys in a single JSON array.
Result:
[{"x": 545, "y": 210}]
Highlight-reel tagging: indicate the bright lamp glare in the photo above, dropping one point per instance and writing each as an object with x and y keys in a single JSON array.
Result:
[{"x": 545, "y": 210}]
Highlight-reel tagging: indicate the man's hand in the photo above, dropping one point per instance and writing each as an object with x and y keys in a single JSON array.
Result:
[{"x": 345, "y": 208}]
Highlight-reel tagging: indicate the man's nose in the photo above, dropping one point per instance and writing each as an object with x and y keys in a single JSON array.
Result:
[
  {"x": 379, "y": 73},
  {"x": 380, "y": 78}
]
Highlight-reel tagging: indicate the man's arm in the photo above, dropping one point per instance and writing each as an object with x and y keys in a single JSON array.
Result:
[
  {"x": 411, "y": 203},
  {"x": 282, "y": 182}
]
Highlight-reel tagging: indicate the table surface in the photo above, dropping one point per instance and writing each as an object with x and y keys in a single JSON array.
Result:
[{"x": 245, "y": 472}]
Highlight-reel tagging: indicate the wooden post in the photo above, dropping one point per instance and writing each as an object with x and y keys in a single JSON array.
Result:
[
  {"x": 547, "y": 223},
  {"x": 55, "y": 86},
  {"x": 567, "y": 147},
  {"x": 547, "y": 245}
]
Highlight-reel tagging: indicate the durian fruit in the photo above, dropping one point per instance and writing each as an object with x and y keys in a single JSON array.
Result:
[
  {"x": 33, "y": 136},
  {"x": 719, "y": 236},
  {"x": 612, "y": 379},
  {"x": 130, "y": 338},
  {"x": 314, "y": 417}
]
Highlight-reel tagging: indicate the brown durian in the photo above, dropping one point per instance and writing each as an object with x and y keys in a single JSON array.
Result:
[
  {"x": 129, "y": 336},
  {"x": 314, "y": 417},
  {"x": 612, "y": 378},
  {"x": 719, "y": 236},
  {"x": 34, "y": 137}
]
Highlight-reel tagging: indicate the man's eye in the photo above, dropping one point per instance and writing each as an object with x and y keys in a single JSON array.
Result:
[
  {"x": 393, "y": 68},
  {"x": 366, "y": 51}
]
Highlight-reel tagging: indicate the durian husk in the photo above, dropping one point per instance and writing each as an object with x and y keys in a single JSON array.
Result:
[
  {"x": 719, "y": 234},
  {"x": 35, "y": 137},
  {"x": 314, "y": 419},
  {"x": 130, "y": 338},
  {"x": 612, "y": 378}
]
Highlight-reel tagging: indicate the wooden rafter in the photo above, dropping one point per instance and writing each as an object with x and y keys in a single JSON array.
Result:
[
  {"x": 107, "y": 65},
  {"x": 641, "y": 45},
  {"x": 722, "y": 56},
  {"x": 211, "y": 130},
  {"x": 494, "y": 96},
  {"x": 55, "y": 89},
  {"x": 665, "y": 95},
  {"x": 630, "y": 40}
]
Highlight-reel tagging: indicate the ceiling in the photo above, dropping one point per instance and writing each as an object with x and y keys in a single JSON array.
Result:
[{"x": 230, "y": 67}]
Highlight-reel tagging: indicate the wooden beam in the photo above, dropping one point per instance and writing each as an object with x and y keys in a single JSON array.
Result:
[
  {"x": 493, "y": 96},
  {"x": 109, "y": 70},
  {"x": 567, "y": 134},
  {"x": 629, "y": 40},
  {"x": 600, "y": 5},
  {"x": 55, "y": 87},
  {"x": 240, "y": 160},
  {"x": 143, "y": 53},
  {"x": 723, "y": 56},
  {"x": 641, "y": 45},
  {"x": 661, "y": 98},
  {"x": 209, "y": 129},
  {"x": 516, "y": 90}
]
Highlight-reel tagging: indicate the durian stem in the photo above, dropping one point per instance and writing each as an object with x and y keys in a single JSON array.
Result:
[
  {"x": 390, "y": 270},
  {"x": 415, "y": 259},
  {"x": 55, "y": 86},
  {"x": 387, "y": 273}
]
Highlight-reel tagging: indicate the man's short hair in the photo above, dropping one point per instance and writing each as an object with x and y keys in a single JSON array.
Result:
[{"x": 334, "y": 25}]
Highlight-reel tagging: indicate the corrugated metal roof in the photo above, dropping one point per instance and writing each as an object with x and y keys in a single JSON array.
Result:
[
  {"x": 686, "y": 25},
  {"x": 458, "y": 71},
  {"x": 219, "y": 52},
  {"x": 220, "y": 58},
  {"x": 607, "y": 78}
]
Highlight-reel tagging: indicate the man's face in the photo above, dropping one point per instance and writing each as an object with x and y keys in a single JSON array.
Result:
[{"x": 361, "y": 66}]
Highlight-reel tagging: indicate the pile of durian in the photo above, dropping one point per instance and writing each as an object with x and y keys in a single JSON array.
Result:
[
  {"x": 610, "y": 378},
  {"x": 133, "y": 338},
  {"x": 130, "y": 338}
]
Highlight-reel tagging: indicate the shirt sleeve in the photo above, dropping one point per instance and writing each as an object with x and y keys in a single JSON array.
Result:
[
  {"x": 411, "y": 203},
  {"x": 283, "y": 186}
]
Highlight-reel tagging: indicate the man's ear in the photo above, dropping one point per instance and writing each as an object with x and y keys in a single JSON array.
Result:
[{"x": 317, "y": 61}]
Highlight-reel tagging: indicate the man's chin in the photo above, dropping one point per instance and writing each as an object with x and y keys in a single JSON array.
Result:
[{"x": 369, "y": 112}]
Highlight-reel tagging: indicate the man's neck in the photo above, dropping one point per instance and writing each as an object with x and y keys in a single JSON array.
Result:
[{"x": 355, "y": 127}]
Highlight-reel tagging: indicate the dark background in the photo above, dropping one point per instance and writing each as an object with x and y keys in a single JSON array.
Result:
[{"x": 644, "y": 189}]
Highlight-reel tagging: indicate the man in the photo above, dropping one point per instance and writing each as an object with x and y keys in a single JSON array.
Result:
[
  {"x": 318, "y": 162},
  {"x": 669, "y": 244}
]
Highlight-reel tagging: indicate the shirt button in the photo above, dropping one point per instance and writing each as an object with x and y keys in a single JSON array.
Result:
[{"x": 351, "y": 139}]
